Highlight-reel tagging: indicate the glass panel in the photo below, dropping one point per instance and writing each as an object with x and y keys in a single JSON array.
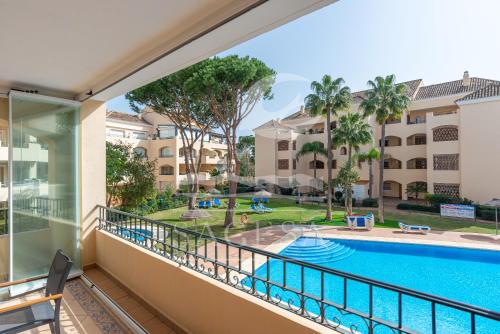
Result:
[
  {"x": 4, "y": 191},
  {"x": 44, "y": 183}
]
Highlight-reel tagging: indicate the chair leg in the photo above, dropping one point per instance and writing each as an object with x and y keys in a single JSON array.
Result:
[{"x": 55, "y": 326}]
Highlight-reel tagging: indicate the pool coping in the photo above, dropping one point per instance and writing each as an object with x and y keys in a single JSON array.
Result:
[{"x": 290, "y": 237}]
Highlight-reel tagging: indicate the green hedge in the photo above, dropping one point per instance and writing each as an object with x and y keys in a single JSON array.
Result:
[
  {"x": 417, "y": 207},
  {"x": 482, "y": 212},
  {"x": 369, "y": 203}
]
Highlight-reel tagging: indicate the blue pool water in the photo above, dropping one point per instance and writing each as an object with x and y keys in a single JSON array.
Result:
[{"x": 465, "y": 275}]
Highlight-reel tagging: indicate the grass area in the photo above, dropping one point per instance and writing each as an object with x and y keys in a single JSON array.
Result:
[{"x": 285, "y": 211}]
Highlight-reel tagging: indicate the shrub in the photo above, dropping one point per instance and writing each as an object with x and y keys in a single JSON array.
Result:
[
  {"x": 417, "y": 207},
  {"x": 436, "y": 200},
  {"x": 370, "y": 203},
  {"x": 286, "y": 191},
  {"x": 486, "y": 213}
]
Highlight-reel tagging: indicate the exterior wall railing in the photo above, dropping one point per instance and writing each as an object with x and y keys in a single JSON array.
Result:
[{"x": 248, "y": 269}]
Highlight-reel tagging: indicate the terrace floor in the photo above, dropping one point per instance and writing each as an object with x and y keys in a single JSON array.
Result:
[
  {"x": 81, "y": 312},
  {"x": 133, "y": 306}
]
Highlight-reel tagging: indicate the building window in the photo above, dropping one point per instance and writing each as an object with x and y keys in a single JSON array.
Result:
[
  {"x": 448, "y": 189},
  {"x": 166, "y": 131},
  {"x": 334, "y": 164},
  {"x": 166, "y": 170},
  {"x": 445, "y": 133},
  {"x": 283, "y": 163},
  {"x": 116, "y": 133},
  {"x": 319, "y": 164},
  {"x": 182, "y": 152},
  {"x": 392, "y": 164},
  {"x": 445, "y": 161},
  {"x": 343, "y": 150},
  {"x": 139, "y": 135},
  {"x": 419, "y": 139},
  {"x": 417, "y": 163},
  {"x": 165, "y": 152},
  {"x": 283, "y": 145},
  {"x": 294, "y": 145},
  {"x": 294, "y": 163},
  {"x": 333, "y": 125},
  {"x": 387, "y": 186},
  {"x": 140, "y": 151}
]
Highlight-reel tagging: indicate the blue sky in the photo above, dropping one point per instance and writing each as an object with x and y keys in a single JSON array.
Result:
[{"x": 434, "y": 40}]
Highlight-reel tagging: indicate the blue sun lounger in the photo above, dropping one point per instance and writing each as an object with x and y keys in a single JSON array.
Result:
[
  {"x": 217, "y": 202},
  {"x": 264, "y": 208},
  {"x": 255, "y": 208},
  {"x": 414, "y": 228}
]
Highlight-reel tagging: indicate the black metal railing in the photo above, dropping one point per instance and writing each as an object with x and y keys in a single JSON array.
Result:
[
  {"x": 314, "y": 292},
  {"x": 45, "y": 207}
]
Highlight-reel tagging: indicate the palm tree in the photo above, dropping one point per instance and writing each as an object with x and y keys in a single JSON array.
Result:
[
  {"x": 328, "y": 97},
  {"x": 386, "y": 100},
  {"x": 352, "y": 131},
  {"x": 416, "y": 188},
  {"x": 369, "y": 156},
  {"x": 315, "y": 148}
]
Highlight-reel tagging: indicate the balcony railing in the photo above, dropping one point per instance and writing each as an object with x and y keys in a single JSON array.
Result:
[{"x": 248, "y": 269}]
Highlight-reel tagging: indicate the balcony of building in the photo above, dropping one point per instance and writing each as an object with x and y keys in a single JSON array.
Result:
[{"x": 416, "y": 139}]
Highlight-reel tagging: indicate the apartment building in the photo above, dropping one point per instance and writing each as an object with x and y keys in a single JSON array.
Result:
[
  {"x": 157, "y": 138},
  {"x": 449, "y": 140}
]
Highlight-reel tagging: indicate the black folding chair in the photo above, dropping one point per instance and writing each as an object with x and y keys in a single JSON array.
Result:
[{"x": 34, "y": 313}]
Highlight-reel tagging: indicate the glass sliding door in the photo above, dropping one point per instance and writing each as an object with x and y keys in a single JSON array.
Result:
[{"x": 44, "y": 182}]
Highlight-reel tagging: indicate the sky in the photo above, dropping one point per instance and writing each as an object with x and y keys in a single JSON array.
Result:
[{"x": 433, "y": 40}]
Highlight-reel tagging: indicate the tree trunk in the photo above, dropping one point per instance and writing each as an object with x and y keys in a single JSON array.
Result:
[
  {"x": 381, "y": 177},
  {"x": 370, "y": 178},
  {"x": 232, "y": 175},
  {"x": 329, "y": 166},
  {"x": 315, "y": 179},
  {"x": 349, "y": 190}
]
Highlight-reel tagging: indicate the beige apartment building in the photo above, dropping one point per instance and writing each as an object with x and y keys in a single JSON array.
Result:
[
  {"x": 157, "y": 138},
  {"x": 449, "y": 141}
]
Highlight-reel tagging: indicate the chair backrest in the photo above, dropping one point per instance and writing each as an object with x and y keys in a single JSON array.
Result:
[{"x": 58, "y": 273}]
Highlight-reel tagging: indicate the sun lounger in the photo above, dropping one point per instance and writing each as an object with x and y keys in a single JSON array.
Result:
[
  {"x": 361, "y": 222},
  {"x": 414, "y": 228},
  {"x": 201, "y": 204},
  {"x": 264, "y": 208},
  {"x": 255, "y": 200},
  {"x": 217, "y": 202},
  {"x": 208, "y": 204},
  {"x": 255, "y": 208}
]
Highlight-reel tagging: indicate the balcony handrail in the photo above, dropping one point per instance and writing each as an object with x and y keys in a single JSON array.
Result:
[{"x": 134, "y": 235}]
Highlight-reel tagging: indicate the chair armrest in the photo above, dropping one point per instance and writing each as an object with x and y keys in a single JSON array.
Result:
[
  {"x": 21, "y": 281},
  {"x": 29, "y": 303}
]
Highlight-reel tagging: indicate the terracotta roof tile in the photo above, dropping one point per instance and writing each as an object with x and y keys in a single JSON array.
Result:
[
  {"x": 488, "y": 91},
  {"x": 412, "y": 87},
  {"x": 452, "y": 88}
]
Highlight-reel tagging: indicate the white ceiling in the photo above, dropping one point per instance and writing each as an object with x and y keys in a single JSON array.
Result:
[{"x": 67, "y": 48}]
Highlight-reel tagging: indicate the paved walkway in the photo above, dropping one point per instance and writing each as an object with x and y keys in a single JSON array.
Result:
[{"x": 266, "y": 238}]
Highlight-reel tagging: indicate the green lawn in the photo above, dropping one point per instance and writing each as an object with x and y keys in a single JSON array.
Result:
[{"x": 286, "y": 211}]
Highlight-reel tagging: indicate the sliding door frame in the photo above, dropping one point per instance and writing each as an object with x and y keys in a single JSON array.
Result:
[{"x": 49, "y": 99}]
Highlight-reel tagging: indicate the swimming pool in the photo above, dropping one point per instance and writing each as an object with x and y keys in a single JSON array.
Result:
[{"x": 465, "y": 275}]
